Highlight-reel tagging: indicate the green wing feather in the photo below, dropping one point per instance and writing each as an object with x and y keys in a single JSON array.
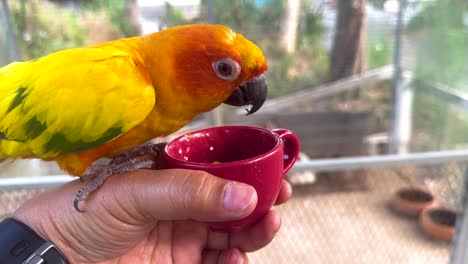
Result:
[{"x": 71, "y": 100}]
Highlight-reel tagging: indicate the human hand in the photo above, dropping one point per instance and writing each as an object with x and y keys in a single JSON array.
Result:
[{"x": 152, "y": 217}]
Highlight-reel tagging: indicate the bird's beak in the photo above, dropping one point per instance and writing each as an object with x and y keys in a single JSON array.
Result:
[{"x": 253, "y": 92}]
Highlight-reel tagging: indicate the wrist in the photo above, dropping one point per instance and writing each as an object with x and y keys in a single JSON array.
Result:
[
  {"x": 21, "y": 244},
  {"x": 44, "y": 223}
]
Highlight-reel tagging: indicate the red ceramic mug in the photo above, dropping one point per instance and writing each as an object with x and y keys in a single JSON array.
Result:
[{"x": 252, "y": 155}]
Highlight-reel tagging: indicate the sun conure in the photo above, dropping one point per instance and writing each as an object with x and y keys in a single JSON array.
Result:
[{"x": 78, "y": 105}]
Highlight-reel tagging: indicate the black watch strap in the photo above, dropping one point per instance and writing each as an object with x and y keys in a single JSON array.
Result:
[{"x": 20, "y": 244}]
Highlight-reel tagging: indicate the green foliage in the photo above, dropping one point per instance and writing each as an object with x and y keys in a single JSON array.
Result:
[
  {"x": 379, "y": 52},
  {"x": 240, "y": 15},
  {"x": 442, "y": 14},
  {"x": 270, "y": 15},
  {"x": 107, "y": 5},
  {"x": 174, "y": 16},
  {"x": 291, "y": 72},
  {"x": 429, "y": 117},
  {"x": 116, "y": 11},
  {"x": 441, "y": 58},
  {"x": 444, "y": 124},
  {"x": 310, "y": 31},
  {"x": 442, "y": 54},
  {"x": 306, "y": 67},
  {"x": 44, "y": 28}
]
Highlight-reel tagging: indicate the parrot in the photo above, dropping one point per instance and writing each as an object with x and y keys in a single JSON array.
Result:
[{"x": 79, "y": 105}]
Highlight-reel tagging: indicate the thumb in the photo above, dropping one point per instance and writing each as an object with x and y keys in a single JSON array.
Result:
[{"x": 184, "y": 194}]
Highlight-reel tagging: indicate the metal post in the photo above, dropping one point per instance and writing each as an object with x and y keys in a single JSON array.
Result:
[
  {"x": 404, "y": 124},
  {"x": 317, "y": 165},
  {"x": 459, "y": 254},
  {"x": 9, "y": 32},
  {"x": 397, "y": 96}
]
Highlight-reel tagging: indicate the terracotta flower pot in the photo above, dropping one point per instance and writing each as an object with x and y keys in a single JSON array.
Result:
[
  {"x": 411, "y": 201},
  {"x": 438, "y": 223}
]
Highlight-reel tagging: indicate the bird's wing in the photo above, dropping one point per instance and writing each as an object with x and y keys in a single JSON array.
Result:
[{"x": 73, "y": 100}]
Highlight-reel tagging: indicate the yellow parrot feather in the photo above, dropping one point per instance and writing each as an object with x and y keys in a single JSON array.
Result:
[{"x": 78, "y": 105}]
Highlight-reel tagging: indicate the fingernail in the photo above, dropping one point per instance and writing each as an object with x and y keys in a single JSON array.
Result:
[
  {"x": 231, "y": 256},
  {"x": 238, "y": 196}
]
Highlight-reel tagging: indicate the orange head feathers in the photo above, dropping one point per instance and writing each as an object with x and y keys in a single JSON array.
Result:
[{"x": 209, "y": 62}]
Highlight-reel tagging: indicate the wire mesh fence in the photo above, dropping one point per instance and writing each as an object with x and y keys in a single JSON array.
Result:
[
  {"x": 343, "y": 216},
  {"x": 11, "y": 199}
]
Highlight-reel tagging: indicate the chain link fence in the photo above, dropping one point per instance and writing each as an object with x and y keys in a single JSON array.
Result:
[
  {"x": 343, "y": 215},
  {"x": 11, "y": 199}
]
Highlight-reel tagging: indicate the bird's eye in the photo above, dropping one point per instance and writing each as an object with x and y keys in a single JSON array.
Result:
[{"x": 227, "y": 69}]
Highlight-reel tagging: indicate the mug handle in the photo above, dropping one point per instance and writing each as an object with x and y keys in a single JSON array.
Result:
[{"x": 291, "y": 147}]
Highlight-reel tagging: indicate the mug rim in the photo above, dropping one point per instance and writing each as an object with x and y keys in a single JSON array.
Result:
[{"x": 230, "y": 163}]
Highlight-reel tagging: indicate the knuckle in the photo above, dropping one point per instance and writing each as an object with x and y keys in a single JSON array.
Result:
[{"x": 200, "y": 190}]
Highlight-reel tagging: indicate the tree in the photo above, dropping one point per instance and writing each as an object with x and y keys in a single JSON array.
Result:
[
  {"x": 348, "y": 48},
  {"x": 289, "y": 25}
]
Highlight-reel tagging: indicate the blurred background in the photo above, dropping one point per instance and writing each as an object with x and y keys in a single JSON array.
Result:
[{"x": 377, "y": 91}]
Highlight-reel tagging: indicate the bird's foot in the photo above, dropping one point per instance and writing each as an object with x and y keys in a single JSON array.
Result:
[
  {"x": 142, "y": 157},
  {"x": 148, "y": 150},
  {"x": 92, "y": 171}
]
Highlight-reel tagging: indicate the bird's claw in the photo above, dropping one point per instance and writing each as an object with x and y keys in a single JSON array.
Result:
[
  {"x": 108, "y": 170},
  {"x": 78, "y": 198}
]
